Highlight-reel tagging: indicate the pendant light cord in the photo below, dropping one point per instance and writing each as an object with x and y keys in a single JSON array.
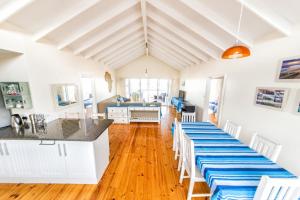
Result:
[{"x": 239, "y": 24}]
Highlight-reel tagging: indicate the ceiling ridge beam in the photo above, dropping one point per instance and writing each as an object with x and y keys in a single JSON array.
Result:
[
  {"x": 188, "y": 24},
  {"x": 175, "y": 54},
  {"x": 211, "y": 16},
  {"x": 122, "y": 53},
  {"x": 181, "y": 44},
  {"x": 98, "y": 22},
  {"x": 168, "y": 55},
  {"x": 120, "y": 46},
  {"x": 185, "y": 36},
  {"x": 144, "y": 19},
  {"x": 274, "y": 20},
  {"x": 65, "y": 19},
  {"x": 117, "y": 27},
  {"x": 173, "y": 47},
  {"x": 163, "y": 59},
  {"x": 13, "y": 8},
  {"x": 132, "y": 33}
]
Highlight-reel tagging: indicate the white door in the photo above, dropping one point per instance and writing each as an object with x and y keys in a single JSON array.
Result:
[
  {"x": 52, "y": 160},
  {"x": 79, "y": 159}
]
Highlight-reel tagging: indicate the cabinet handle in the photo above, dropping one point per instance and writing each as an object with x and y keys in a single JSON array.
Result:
[
  {"x": 6, "y": 150},
  {"x": 43, "y": 143},
  {"x": 1, "y": 150},
  {"x": 59, "y": 150},
  {"x": 65, "y": 150}
]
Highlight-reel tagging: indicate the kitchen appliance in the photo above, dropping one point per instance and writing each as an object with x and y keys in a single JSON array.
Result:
[
  {"x": 4, "y": 113},
  {"x": 16, "y": 121}
]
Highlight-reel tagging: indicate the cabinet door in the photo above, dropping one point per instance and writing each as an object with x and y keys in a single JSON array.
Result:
[
  {"x": 24, "y": 88},
  {"x": 17, "y": 156},
  {"x": 51, "y": 160},
  {"x": 3, "y": 162},
  {"x": 79, "y": 159}
]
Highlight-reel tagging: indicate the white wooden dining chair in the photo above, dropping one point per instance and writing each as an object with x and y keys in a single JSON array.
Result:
[
  {"x": 189, "y": 166},
  {"x": 277, "y": 189},
  {"x": 266, "y": 147},
  {"x": 233, "y": 129},
  {"x": 188, "y": 116},
  {"x": 175, "y": 136}
]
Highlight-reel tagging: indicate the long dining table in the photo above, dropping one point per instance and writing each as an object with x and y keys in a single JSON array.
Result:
[{"x": 231, "y": 169}]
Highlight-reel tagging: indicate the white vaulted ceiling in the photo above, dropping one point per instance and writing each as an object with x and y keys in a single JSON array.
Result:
[{"x": 179, "y": 32}]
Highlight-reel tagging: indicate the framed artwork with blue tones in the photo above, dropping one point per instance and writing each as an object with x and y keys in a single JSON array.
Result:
[{"x": 290, "y": 69}]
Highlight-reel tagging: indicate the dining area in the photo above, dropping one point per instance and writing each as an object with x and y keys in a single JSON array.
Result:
[{"x": 230, "y": 168}]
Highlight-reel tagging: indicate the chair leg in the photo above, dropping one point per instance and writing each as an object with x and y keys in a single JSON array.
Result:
[
  {"x": 179, "y": 162},
  {"x": 182, "y": 173},
  {"x": 176, "y": 153},
  {"x": 191, "y": 188}
]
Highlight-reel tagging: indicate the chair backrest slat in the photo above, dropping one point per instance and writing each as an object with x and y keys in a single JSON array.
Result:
[
  {"x": 265, "y": 147},
  {"x": 233, "y": 129},
  {"x": 188, "y": 117},
  {"x": 277, "y": 188}
]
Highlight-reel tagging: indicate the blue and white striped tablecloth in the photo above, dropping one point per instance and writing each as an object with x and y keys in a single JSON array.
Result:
[{"x": 231, "y": 169}]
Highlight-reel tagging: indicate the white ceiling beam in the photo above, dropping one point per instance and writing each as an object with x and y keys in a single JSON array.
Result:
[
  {"x": 180, "y": 43},
  {"x": 118, "y": 26},
  {"x": 126, "y": 60},
  {"x": 184, "y": 36},
  {"x": 165, "y": 60},
  {"x": 200, "y": 8},
  {"x": 122, "y": 7},
  {"x": 121, "y": 57},
  {"x": 172, "y": 53},
  {"x": 123, "y": 53},
  {"x": 12, "y": 8},
  {"x": 272, "y": 18},
  {"x": 124, "y": 56},
  {"x": 179, "y": 17},
  {"x": 68, "y": 16},
  {"x": 144, "y": 17},
  {"x": 129, "y": 33},
  {"x": 166, "y": 54},
  {"x": 113, "y": 51},
  {"x": 174, "y": 47},
  {"x": 115, "y": 47}
]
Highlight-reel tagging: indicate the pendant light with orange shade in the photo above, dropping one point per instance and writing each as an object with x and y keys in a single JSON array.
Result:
[{"x": 238, "y": 50}]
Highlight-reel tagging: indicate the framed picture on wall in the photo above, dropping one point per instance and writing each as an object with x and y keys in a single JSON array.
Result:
[
  {"x": 274, "y": 98},
  {"x": 289, "y": 69}
]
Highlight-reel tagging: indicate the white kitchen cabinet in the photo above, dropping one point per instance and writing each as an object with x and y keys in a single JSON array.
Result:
[
  {"x": 78, "y": 159},
  {"x": 69, "y": 162},
  {"x": 17, "y": 164},
  {"x": 118, "y": 114},
  {"x": 53, "y": 154}
]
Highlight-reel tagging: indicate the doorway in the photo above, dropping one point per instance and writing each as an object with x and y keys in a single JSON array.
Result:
[
  {"x": 88, "y": 96},
  {"x": 215, "y": 99}
]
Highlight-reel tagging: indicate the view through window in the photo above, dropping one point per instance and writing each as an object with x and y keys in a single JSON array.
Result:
[{"x": 149, "y": 90}]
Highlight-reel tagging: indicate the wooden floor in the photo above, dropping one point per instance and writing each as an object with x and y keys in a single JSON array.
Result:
[{"x": 142, "y": 167}]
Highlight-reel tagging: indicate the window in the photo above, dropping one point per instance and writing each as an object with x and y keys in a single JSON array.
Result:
[{"x": 150, "y": 90}]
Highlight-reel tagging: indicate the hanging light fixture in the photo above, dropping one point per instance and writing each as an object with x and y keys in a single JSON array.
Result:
[{"x": 238, "y": 50}]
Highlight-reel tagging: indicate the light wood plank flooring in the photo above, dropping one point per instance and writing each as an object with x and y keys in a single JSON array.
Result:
[{"x": 142, "y": 167}]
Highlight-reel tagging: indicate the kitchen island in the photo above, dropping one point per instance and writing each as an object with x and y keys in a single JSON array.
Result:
[{"x": 70, "y": 151}]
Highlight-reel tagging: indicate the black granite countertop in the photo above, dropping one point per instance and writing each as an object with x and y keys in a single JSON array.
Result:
[{"x": 60, "y": 129}]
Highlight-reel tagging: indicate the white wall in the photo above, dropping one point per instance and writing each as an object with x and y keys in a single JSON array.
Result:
[
  {"x": 156, "y": 69},
  {"x": 243, "y": 76},
  {"x": 43, "y": 65}
]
